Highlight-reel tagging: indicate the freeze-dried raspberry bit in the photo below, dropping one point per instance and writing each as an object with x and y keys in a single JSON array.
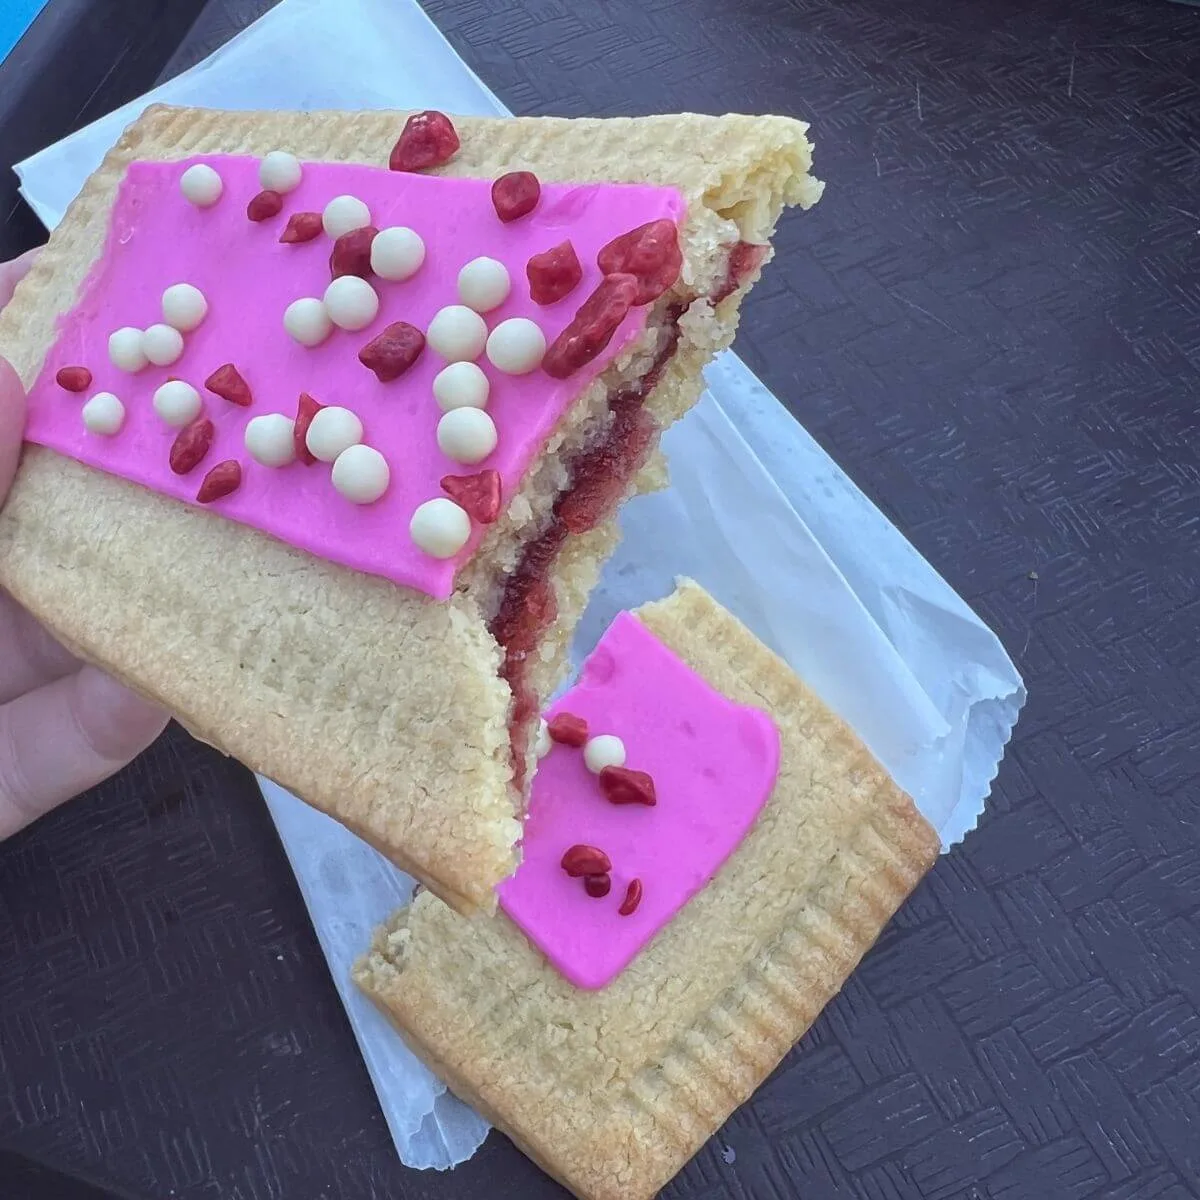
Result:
[
  {"x": 581, "y": 859},
  {"x": 306, "y": 409},
  {"x": 428, "y": 139},
  {"x": 224, "y": 478},
  {"x": 227, "y": 382},
  {"x": 351, "y": 253},
  {"x": 568, "y": 730},
  {"x": 621, "y": 785},
  {"x": 265, "y": 205},
  {"x": 597, "y": 886},
  {"x": 516, "y": 195},
  {"x": 191, "y": 444},
  {"x": 478, "y": 494},
  {"x": 301, "y": 227},
  {"x": 73, "y": 379},
  {"x": 393, "y": 351},
  {"x": 592, "y": 327},
  {"x": 650, "y": 252},
  {"x": 554, "y": 273},
  {"x": 633, "y": 897}
]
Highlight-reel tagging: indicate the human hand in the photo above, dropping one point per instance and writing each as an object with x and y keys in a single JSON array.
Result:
[{"x": 64, "y": 726}]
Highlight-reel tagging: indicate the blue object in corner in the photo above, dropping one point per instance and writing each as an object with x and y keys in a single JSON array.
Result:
[{"x": 16, "y": 16}]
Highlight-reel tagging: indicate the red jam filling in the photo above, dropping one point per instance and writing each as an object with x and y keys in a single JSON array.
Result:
[
  {"x": 600, "y": 476},
  {"x": 744, "y": 259}
]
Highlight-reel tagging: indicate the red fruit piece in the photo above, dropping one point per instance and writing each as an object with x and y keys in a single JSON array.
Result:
[
  {"x": 582, "y": 859},
  {"x": 305, "y": 411},
  {"x": 191, "y": 444},
  {"x": 633, "y": 897},
  {"x": 224, "y": 478},
  {"x": 265, "y": 205},
  {"x": 478, "y": 494},
  {"x": 620, "y": 785},
  {"x": 592, "y": 327},
  {"x": 428, "y": 139},
  {"x": 568, "y": 730},
  {"x": 227, "y": 382},
  {"x": 351, "y": 253},
  {"x": 651, "y": 252},
  {"x": 73, "y": 379},
  {"x": 597, "y": 886},
  {"x": 553, "y": 273},
  {"x": 301, "y": 227},
  {"x": 393, "y": 351},
  {"x": 516, "y": 195}
]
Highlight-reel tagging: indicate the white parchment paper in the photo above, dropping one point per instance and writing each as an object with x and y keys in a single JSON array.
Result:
[{"x": 757, "y": 513}]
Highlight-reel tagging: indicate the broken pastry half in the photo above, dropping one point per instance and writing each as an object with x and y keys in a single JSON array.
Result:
[
  {"x": 329, "y": 415},
  {"x": 709, "y": 851}
]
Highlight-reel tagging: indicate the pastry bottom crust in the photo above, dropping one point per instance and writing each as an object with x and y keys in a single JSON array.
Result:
[{"x": 612, "y": 1091}]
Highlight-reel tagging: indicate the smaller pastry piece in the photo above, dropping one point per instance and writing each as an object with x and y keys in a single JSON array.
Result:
[{"x": 610, "y": 1045}]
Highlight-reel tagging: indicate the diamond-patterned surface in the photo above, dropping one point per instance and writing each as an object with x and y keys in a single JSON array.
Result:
[{"x": 993, "y": 322}]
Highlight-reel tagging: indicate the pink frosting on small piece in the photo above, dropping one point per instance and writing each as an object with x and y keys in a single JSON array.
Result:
[
  {"x": 714, "y": 764},
  {"x": 156, "y": 239}
]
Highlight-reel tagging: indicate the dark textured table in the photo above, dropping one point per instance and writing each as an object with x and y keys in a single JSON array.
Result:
[{"x": 993, "y": 322}]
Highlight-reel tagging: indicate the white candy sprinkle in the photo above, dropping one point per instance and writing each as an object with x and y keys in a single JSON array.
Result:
[
  {"x": 603, "y": 751},
  {"x": 279, "y": 171},
  {"x": 103, "y": 414},
  {"x": 440, "y": 527},
  {"x": 461, "y": 385},
  {"x": 125, "y": 349},
  {"x": 361, "y": 474},
  {"x": 307, "y": 321},
  {"x": 516, "y": 346},
  {"x": 184, "y": 306},
  {"x": 270, "y": 439},
  {"x": 542, "y": 745},
  {"x": 332, "y": 430},
  {"x": 162, "y": 344},
  {"x": 201, "y": 185},
  {"x": 344, "y": 214},
  {"x": 457, "y": 333},
  {"x": 483, "y": 284},
  {"x": 397, "y": 253},
  {"x": 467, "y": 435},
  {"x": 352, "y": 303},
  {"x": 177, "y": 403}
]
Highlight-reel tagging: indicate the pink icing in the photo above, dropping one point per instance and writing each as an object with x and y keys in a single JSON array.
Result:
[
  {"x": 156, "y": 238},
  {"x": 714, "y": 764}
]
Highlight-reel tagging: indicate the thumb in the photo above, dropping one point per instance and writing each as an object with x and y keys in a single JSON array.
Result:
[
  {"x": 64, "y": 738},
  {"x": 12, "y": 424}
]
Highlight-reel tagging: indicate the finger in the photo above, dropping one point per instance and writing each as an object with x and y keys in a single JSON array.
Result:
[
  {"x": 66, "y": 737},
  {"x": 11, "y": 273},
  {"x": 29, "y": 656},
  {"x": 12, "y": 424}
]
